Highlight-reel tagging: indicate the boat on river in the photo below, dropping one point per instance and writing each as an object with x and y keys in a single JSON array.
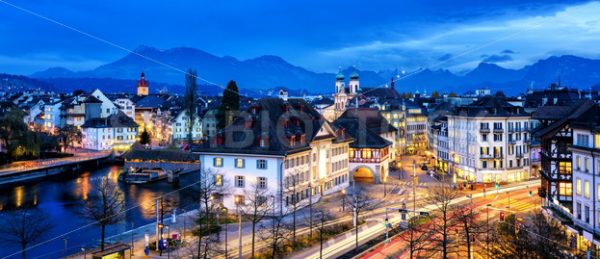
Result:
[{"x": 144, "y": 175}]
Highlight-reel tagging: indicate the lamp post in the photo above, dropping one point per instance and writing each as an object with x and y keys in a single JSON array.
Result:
[
  {"x": 238, "y": 201},
  {"x": 66, "y": 242},
  {"x": 414, "y": 187},
  {"x": 226, "y": 228},
  {"x": 183, "y": 232},
  {"x": 344, "y": 199},
  {"x": 168, "y": 234},
  {"x": 487, "y": 223},
  {"x": 132, "y": 247}
]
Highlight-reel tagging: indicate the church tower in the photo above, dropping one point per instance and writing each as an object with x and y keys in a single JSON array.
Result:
[
  {"x": 340, "y": 98},
  {"x": 339, "y": 83},
  {"x": 142, "y": 86},
  {"x": 353, "y": 84}
]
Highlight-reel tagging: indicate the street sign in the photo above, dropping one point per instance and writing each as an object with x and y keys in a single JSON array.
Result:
[{"x": 424, "y": 213}]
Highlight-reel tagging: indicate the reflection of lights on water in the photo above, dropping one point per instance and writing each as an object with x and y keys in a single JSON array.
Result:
[
  {"x": 113, "y": 174},
  {"x": 35, "y": 199},
  {"x": 84, "y": 186},
  {"x": 146, "y": 200},
  {"x": 19, "y": 192}
]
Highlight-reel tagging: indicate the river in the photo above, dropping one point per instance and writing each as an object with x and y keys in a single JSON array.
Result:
[{"x": 61, "y": 200}]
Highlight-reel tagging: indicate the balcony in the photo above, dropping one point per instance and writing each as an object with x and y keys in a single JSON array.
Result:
[
  {"x": 519, "y": 155},
  {"x": 512, "y": 141},
  {"x": 498, "y": 130},
  {"x": 486, "y": 156},
  {"x": 484, "y": 130},
  {"x": 511, "y": 130}
]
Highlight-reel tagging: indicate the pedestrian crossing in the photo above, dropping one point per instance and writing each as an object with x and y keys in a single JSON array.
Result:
[{"x": 409, "y": 183}]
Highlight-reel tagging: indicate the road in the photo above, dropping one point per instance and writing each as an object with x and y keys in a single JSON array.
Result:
[
  {"x": 516, "y": 201},
  {"x": 346, "y": 244}
]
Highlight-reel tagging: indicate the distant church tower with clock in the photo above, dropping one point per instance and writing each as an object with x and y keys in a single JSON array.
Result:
[{"x": 142, "y": 86}]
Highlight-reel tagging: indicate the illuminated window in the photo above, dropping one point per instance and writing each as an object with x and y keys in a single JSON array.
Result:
[
  {"x": 566, "y": 189},
  {"x": 586, "y": 189},
  {"x": 578, "y": 162},
  {"x": 578, "y": 186},
  {"x": 597, "y": 140},
  {"x": 564, "y": 167},
  {"x": 218, "y": 162},
  {"x": 219, "y": 180},
  {"x": 239, "y": 163}
]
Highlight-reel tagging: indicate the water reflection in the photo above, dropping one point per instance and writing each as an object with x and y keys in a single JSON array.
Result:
[{"x": 62, "y": 199}]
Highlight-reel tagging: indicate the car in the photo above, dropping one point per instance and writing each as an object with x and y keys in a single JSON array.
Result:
[{"x": 424, "y": 167}]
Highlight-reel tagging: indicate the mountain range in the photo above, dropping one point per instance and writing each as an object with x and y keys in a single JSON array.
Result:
[{"x": 165, "y": 70}]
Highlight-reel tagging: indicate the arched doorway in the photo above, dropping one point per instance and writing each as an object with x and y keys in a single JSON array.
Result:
[{"x": 363, "y": 174}]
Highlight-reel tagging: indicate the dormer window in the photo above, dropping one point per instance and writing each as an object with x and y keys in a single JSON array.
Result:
[
  {"x": 302, "y": 139},
  {"x": 292, "y": 141}
]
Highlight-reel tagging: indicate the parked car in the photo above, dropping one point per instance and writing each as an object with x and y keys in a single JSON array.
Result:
[{"x": 424, "y": 167}]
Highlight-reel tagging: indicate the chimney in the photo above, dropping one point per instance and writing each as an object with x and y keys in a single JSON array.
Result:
[
  {"x": 248, "y": 123},
  {"x": 220, "y": 139},
  {"x": 264, "y": 140}
]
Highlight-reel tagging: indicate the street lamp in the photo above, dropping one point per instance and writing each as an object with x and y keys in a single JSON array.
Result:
[
  {"x": 224, "y": 209},
  {"x": 344, "y": 199},
  {"x": 487, "y": 223},
  {"x": 238, "y": 202}
]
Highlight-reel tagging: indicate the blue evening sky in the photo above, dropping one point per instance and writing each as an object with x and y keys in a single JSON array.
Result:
[{"x": 318, "y": 35}]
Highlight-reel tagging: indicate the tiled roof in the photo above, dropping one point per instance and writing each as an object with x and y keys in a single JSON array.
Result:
[
  {"x": 365, "y": 127},
  {"x": 490, "y": 106},
  {"x": 277, "y": 121},
  {"x": 119, "y": 120}
]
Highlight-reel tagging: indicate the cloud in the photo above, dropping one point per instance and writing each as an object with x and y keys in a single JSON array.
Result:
[
  {"x": 445, "y": 57},
  {"x": 497, "y": 58},
  {"x": 517, "y": 41}
]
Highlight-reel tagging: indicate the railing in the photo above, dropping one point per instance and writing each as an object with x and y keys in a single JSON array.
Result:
[
  {"x": 484, "y": 130},
  {"x": 486, "y": 156},
  {"x": 497, "y": 130}
]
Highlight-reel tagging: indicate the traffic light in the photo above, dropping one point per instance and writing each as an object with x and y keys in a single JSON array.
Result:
[
  {"x": 502, "y": 216},
  {"x": 530, "y": 194},
  {"x": 497, "y": 186}
]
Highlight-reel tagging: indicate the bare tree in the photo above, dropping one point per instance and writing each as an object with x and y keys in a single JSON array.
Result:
[
  {"x": 24, "y": 227},
  {"x": 276, "y": 234},
  {"x": 257, "y": 207},
  {"x": 292, "y": 182},
  {"x": 548, "y": 240},
  {"x": 470, "y": 228},
  {"x": 208, "y": 189},
  {"x": 442, "y": 221},
  {"x": 105, "y": 205},
  {"x": 510, "y": 241},
  {"x": 415, "y": 234},
  {"x": 359, "y": 201},
  {"x": 323, "y": 216}
]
